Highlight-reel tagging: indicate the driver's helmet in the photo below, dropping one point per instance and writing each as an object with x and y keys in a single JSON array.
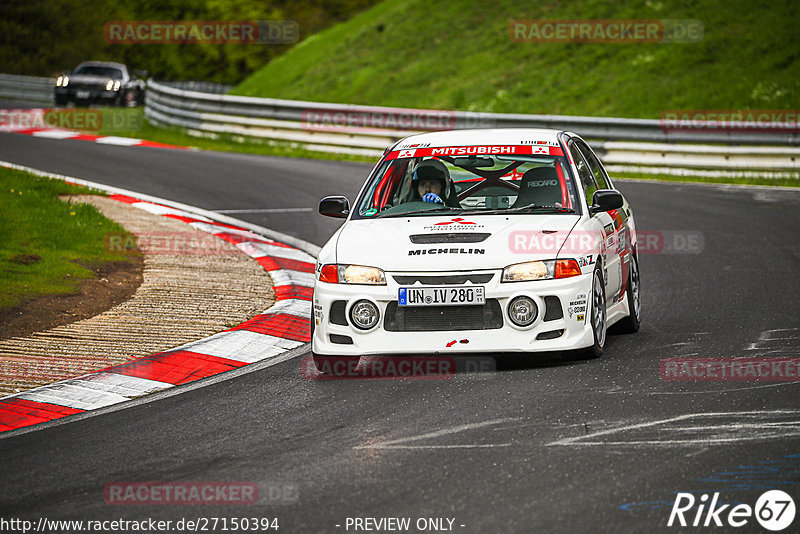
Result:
[{"x": 431, "y": 169}]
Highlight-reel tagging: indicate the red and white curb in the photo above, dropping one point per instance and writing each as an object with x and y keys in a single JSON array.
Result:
[
  {"x": 36, "y": 116},
  {"x": 284, "y": 326}
]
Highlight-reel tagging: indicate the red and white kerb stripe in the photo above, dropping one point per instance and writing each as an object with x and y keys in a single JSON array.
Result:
[{"x": 283, "y": 326}]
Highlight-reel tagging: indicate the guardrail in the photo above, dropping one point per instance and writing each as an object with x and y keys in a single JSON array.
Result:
[
  {"x": 28, "y": 88},
  {"x": 641, "y": 144},
  {"x": 369, "y": 129}
]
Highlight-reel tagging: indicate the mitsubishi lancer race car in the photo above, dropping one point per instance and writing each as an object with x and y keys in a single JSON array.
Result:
[{"x": 505, "y": 241}]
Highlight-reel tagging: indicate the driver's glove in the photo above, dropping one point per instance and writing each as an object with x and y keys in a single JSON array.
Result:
[{"x": 433, "y": 198}]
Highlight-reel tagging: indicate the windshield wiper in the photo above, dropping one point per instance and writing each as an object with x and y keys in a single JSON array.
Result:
[
  {"x": 537, "y": 207},
  {"x": 416, "y": 212},
  {"x": 529, "y": 207}
]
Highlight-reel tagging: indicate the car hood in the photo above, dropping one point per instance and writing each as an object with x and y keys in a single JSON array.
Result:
[{"x": 443, "y": 243}]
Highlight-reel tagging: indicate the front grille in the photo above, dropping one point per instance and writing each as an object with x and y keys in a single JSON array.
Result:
[
  {"x": 460, "y": 237},
  {"x": 443, "y": 318},
  {"x": 440, "y": 280}
]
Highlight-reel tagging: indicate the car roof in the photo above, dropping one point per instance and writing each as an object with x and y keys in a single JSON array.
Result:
[{"x": 497, "y": 136}]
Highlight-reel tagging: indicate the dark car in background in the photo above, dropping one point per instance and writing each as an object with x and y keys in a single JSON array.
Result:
[{"x": 99, "y": 82}]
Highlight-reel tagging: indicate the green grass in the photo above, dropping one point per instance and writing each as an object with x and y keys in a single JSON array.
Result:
[
  {"x": 459, "y": 55},
  {"x": 46, "y": 243}
]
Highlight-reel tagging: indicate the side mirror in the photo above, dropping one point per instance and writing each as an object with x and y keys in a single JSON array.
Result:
[
  {"x": 338, "y": 207},
  {"x": 605, "y": 200}
]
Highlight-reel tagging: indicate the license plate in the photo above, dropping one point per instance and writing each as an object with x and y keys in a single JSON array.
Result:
[
  {"x": 441, "y": 296},
  {"x": 81, "y": 94}
]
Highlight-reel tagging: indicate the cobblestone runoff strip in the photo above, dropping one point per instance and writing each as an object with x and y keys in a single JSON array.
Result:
[{"x": 150, "y": 342}]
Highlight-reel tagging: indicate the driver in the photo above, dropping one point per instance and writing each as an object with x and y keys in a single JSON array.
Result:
[{"x": 431, "y": 182}]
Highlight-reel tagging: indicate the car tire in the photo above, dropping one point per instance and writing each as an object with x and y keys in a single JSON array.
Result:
[
  {"x": 631, "y": 324},
  {"x": 597, "y": 315}
]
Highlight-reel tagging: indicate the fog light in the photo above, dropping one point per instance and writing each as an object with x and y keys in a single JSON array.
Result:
[
  {"x": 364, "y": 314},
  {"x": 522, "y": 311}
]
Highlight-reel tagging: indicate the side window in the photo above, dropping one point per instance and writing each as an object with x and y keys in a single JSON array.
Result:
[
  {"x": 584, "y": 173},
  {"x": 594, "y": 166}
]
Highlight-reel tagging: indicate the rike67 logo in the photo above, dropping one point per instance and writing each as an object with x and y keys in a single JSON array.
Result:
[{"x": 774, "y": 511}]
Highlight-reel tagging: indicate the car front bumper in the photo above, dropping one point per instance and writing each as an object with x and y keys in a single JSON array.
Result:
[{"x": 431, "y": 336}]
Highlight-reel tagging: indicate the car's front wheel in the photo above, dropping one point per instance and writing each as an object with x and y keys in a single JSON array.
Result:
[
  {"x": 597, "y": 315},
  {"x": 632, "y": 322}
]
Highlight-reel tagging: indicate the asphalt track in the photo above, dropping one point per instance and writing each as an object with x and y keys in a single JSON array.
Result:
[{"x": 582, "y": 446}]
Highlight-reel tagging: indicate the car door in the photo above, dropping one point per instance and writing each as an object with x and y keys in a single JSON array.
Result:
[
  {"x": 623, "y": 221},
  {"x": 603, "y": 222}
]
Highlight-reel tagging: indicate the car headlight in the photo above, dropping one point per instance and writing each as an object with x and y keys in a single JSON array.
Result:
[
  {"x": 351, "y": 274},
  {"x": 540, "y": 270},
  {"x": 109, "y": 85},
  {"x": 116, "y": 85},
  {"x": 62, "y": 81}
]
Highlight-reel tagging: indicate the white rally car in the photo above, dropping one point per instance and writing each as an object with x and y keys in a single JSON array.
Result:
[{"x": 507, "y": 240}]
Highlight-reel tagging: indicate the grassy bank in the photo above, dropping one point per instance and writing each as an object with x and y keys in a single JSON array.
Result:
[
  {"x": 46, "y": 244},
  {"x": 459, "y": 55}
]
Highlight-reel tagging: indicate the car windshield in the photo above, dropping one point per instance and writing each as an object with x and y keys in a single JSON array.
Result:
[
  {"x": 97, "y": 70},
  {"x": 515, "y": 179}
]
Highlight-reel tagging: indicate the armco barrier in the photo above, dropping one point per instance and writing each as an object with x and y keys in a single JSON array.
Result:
[
  {"x": 368, "y": 130},
  {"x": 28, "y": 88}
]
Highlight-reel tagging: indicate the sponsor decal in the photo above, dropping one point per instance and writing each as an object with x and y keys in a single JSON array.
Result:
[
  {"x": 539, "y": 142},
  {"x": 475, "y": 150},
  {"x": 457, "y": 223},
  {"x": 406, "y": 153},
  {"x": 457, "y": 220},
  {"x": 541, "y": 183},
  {"x": 415, "y": 145},
  {"x": 318, "y": 314},
  {"x": 580, "y": 318},
  {"x": 585, "y": 261},
  {"x": 575, "y": 310},
  {"x": 431, "y": 251},
  {"x": 451, "y": 343}
]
